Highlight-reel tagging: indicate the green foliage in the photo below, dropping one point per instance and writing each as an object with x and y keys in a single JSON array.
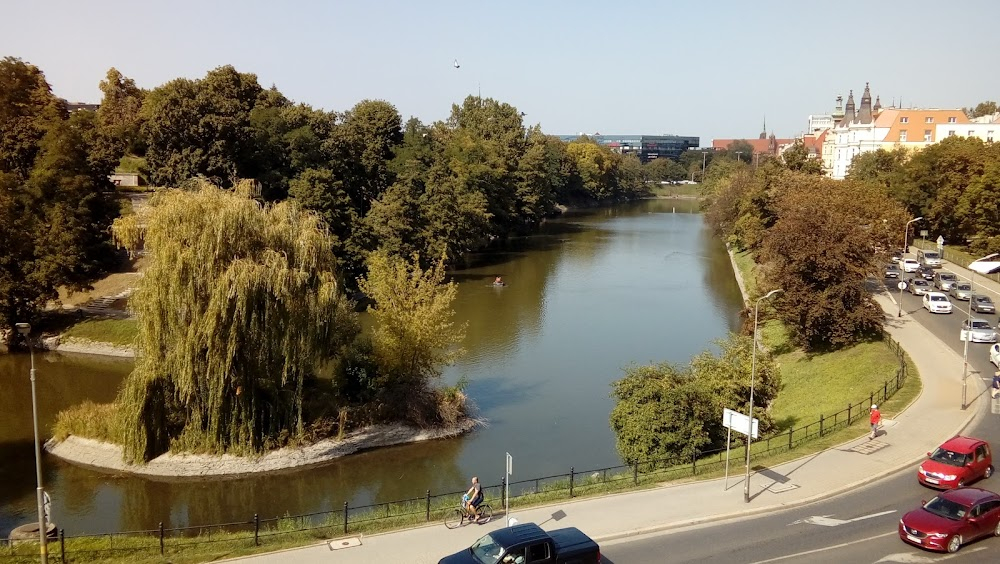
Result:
[
  {"x": 986, "y": 108},
  {"x": 665, "y": 411},
  {"x": 119, "y": 116},
  {"x": 797, "y": 159},
  {"x": 115, "y": 331},
  {"x": 659, "y": 170},
  {"x": 820, "y": 251},
  {"x": 54, "y": 202},
  {"x": 238, "y": 307}
]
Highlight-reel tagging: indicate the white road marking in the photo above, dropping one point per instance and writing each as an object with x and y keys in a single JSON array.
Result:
[
  {"x": 826, "y": 548},
  {"x": 827, "y": 521},
  {"x": 917, "y": 558}
]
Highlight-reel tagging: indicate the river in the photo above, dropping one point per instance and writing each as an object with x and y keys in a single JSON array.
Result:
[{"x": 589, "y": 294}]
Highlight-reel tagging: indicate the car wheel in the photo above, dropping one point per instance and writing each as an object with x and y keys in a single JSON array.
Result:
[
  {"x": 961, "y": 484},
  {"x": 988, "y": 472},
  {"x": 955, "y": 543},
  {"x": 996, "y": 531}
]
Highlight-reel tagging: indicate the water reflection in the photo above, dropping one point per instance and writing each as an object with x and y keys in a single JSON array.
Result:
[{"x": 590, "y": 293}]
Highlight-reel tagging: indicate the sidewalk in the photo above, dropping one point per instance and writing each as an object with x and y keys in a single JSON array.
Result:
[{"x": 932, "y": 418}]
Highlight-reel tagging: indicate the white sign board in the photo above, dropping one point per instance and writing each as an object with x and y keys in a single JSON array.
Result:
[{"x": 738, "y": 422}]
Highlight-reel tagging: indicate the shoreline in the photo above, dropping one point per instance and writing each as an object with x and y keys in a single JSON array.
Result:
[{"x": 107, "y": 457}]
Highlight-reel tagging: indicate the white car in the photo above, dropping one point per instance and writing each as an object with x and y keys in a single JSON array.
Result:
[
  {"x": 981, "y": 331},
  {"x": 909, "y": 265},
  {"x": 995, "y": 355},
  {"x": 937, "y": 302}
]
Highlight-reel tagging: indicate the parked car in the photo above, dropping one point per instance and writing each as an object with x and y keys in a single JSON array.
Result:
[
  {"x": 936, "y": 302},
  {"x": 982, "y": 304},
  {"x": 951, "y": 519},
  {"x": 959, "y": 461},
  {"x": 527, "y": 542},
  {"x": 919, "y": 286},
  {"x": 929, "y": 258},
  {"x": 979, "y": 329},
  {"x": 995, "y": 355},
  {"x": 961, "y": 291},
  {"x": 926, "y": 272},
  {"x": 909, "y": 265},
  {"x": 897, "y": 255},
  {"x": 892, "y": 271},
  {"x": 945, "y": 280}
]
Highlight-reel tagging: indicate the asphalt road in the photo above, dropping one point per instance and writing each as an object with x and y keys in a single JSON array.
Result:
[{"x": 855, "y": 527}]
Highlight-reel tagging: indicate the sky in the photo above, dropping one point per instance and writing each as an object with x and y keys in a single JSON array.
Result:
[{"x": 713, "y": 69}]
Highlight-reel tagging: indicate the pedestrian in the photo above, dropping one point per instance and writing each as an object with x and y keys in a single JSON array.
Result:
[
  {"x": 995, "y": 388},
  {"x": 875, "y": 419}
]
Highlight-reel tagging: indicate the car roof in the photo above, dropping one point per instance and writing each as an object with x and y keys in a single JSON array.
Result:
[
  {"x": 522, "y": 532},
  {"x": 936, "y": 294},
  {"x": 968, "y": 496},
  {"x": 961, "y": 445},
  {"x": 975, "y": 319}
]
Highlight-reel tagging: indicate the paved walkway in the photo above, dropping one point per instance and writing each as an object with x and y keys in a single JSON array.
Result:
[{"x": 933, "y": 417}]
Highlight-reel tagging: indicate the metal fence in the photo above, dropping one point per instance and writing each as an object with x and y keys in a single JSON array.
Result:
[
  {"x": 257, "y": 531},
  {"x": 954, "y": 256}
]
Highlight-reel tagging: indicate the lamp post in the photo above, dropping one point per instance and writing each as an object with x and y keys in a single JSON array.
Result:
[
  {"x": 703, "y": 155},
  {"x": 968, "y": 327},
  {"x": 753, "y": 371},
  {"x": 24, "y": 329},
  {"x": 906, "y": 231}
]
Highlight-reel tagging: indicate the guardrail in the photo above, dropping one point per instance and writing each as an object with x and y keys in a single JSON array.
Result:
[{"x": 343, "y": 521}]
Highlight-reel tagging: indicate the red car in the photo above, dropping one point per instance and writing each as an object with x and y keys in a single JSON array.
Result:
[
  {"x": 956, "y": 463},
  {"x": 951, "y": 519}
]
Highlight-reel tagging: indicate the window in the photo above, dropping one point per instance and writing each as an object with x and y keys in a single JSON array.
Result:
[
  {"x": 951, "y": 119},
  {"x": 902, "y": 136},
  {"x": 951, "y": 133},
  {"x": 972, "y": 133},
  {"x": 928, "y": 134},
  {"x": 904, "y": 119},
  {"x": 989, "y": 136},
  {"x": 538, "y": 552},
  {"x": 928, "y": 119}
]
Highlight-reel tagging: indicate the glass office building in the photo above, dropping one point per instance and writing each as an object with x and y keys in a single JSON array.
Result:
[{"x": 646, "y": 147}]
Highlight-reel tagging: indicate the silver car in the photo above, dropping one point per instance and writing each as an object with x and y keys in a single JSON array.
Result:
[
  {"x": 982, "y": 304},
  {"x": 919, "y": 286},
  {"x": 981, "y": 331},
  {"x": 961, "y": 291},
  {"x": 945, "y": 280}
]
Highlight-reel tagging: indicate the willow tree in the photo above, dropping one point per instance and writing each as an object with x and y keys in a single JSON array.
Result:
[
  {"x": 238, "y": 306},
  {"x": 413, "y": 333}
]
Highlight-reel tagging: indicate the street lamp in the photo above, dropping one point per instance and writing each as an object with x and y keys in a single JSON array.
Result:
[
  {"x": 753, "y": 370},
  {"x": 975, "y": 266},
  {"x": 703, "y": 155},
  {"x": 24, "y": 329},
  {"x": 906, "y": 231}
]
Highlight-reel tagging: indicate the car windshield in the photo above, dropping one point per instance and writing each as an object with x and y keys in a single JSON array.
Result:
[
  {"x": 981, "y": 325},
  {"x": 948, "y": 277},
  {"x": 951, "y": 458},
  {"x": 931, "y": 255},
  {"x": 920, "y": 282},
  {"x": 938, "y": 299},
  {"x": 984, "y": 299},
  {"x": 964, "y": 287},
  {"x": 946, "y": 508},
  {"x": 486, "y": 550}
]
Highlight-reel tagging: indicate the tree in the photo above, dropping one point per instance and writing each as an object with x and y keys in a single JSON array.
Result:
[
  {"x": 666, "y": 170},
  {"x": 744, "y": 148},
  {"x": 201, "y": 128},
  {"x": 361, "y": 148},
  {"x": 797, "y": 158},
  {"x": 55, "y": 206},
  {"x": 239, "y": 305},
  {"x": 820, "y": 251},
  {"x": 982, "y": 109},
  {"x": 666, "y": 413},
  {"x": 320, "y": 191},
  {"x": 119, "y": 117},
  {"x": 881, "y": 167},
  {"x": 413, "y": 334},
  {"x": 595, "y": 165}
]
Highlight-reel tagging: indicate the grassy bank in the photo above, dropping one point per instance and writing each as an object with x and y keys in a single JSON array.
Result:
[
  {"x": 675, "y": 190},
  {"x": 119, "y": 332}
]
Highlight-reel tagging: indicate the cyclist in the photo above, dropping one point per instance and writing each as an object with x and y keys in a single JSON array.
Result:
[{"x": 475, "y": 497}]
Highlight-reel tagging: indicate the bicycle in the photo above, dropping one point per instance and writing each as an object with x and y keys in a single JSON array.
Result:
[{"x": 457, "y": 517}]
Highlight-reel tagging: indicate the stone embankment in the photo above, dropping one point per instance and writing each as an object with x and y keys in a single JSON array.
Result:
[
  {"x": 108, "y": 457},
  {"x": 84, "y": 346}
]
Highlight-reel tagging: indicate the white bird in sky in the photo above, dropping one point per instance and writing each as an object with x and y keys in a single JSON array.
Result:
[{"x": 456, "y": 64}]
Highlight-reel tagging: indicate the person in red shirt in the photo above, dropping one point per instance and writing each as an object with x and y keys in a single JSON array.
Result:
[{"x": 875, "y": 419}]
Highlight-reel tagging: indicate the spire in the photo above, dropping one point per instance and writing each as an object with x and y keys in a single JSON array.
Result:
[
  {"x": 878, "y": 104},
  {"x": 763, "y": 132},
  {"x": 865, "y": 112},
  {"x": 848, "y": 110}
]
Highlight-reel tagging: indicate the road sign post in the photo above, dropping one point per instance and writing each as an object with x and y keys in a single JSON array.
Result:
[
  {"x": 736, "y": 421},
  {"x": 506, "y": 490}
]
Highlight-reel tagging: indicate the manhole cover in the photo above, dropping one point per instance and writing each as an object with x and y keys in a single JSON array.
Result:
[
  {"x": 344, "y": 543},
  {"x": 869, "y": 447},
  {"x": 783, "y": 488}
]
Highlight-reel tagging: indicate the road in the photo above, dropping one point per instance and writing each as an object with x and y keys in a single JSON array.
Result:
[{"x": 855, "y": 527}]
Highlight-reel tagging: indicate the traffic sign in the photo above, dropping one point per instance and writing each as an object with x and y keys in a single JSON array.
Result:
[{"x": 901, "y": 285}]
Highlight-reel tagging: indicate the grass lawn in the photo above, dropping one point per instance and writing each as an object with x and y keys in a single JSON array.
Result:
[
  {"x": 114, "y": 331},
  {"x": 675, "y": 190}
]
